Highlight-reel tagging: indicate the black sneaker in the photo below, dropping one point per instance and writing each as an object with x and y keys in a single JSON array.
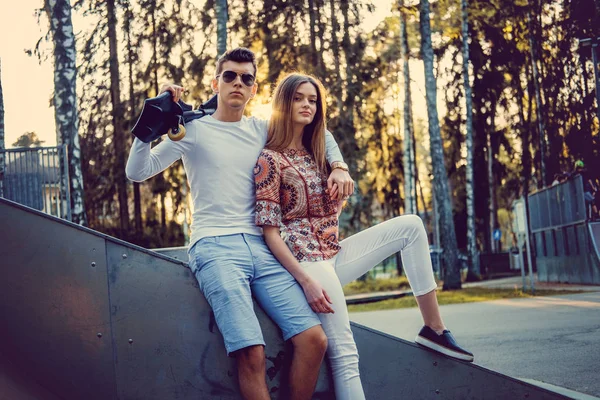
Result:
[{"x": 443, "y": 343}]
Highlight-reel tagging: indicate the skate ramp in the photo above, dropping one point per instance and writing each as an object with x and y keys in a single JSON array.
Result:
[
  {"x": 594, "y": 228},
  {"x": 87, "y": 316}
]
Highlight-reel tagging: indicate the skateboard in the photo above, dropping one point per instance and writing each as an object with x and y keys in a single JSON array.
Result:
[{"x": 161, "y": 115}]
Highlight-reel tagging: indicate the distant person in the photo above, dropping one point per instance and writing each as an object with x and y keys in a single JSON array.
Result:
[
  {"x": 556, "y": 180},
  {"x": 589, "y": 188},
  {"x": 300, "y": 224},
  {"x": 560, "y": 177}
]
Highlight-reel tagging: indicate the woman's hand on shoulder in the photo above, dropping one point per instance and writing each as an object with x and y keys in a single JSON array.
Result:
[{"x": 317, "y": 297}]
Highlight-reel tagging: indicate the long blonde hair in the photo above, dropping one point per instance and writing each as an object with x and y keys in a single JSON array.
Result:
[{"x": 281, "y": 128}]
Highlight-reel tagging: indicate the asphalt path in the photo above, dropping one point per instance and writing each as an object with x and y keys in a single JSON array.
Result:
[{"x": 554, "y": 340}]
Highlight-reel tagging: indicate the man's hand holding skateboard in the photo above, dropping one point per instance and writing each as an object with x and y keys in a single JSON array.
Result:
[{"x": 167, "y": 114}]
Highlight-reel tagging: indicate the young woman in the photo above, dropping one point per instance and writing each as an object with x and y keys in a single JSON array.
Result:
[{"x": 300, "y": 225}]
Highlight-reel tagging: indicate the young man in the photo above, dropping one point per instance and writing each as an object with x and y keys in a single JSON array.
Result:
[{"x": 228, "y": 255}]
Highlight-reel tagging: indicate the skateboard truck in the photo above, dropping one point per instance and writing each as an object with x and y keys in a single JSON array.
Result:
[{"x": 161, "y": 115}]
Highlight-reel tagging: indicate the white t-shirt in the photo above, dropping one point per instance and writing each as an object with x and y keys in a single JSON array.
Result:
[{"x": 219, "y": 159}]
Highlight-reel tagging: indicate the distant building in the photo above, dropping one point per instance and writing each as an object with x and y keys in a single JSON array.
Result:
[{"x": 32, "y": 178}]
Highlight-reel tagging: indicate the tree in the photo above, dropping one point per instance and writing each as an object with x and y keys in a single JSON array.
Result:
[
  {"x": 440, "y": 179},
  {"x": 117, "y": 119},
  {"x": 132, "y": 58},
  {"x": 313, "y": 34},
  {"x": 538, "y": 102},
  {"x": 472, "y": 253},
  {"x": 410, "y": 193},
  {"x": 65, "y": 101},
  {"x": 2, "y": 146},
  {"x": 222, "y": 17},
  {"x": 28, "y": 139}
]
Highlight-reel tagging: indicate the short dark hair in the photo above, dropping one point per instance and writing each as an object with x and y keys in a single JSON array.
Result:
[{"x": 240, "y": 55}]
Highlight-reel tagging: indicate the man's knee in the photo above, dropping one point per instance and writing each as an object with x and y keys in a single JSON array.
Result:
[
  {"x": 313, "y": 339},
  {"x": 251, "y": 359}
]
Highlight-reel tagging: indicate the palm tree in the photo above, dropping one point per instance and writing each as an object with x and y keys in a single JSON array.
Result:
[
  {"x": 65, "y": 101},
  {"x": 440, "y": 177}
]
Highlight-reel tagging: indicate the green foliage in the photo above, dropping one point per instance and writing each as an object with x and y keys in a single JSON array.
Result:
[
  {"x": 28, "y": 139},
  {"x": 175, "y": 41},
  {"x": 371, "y": 285}
]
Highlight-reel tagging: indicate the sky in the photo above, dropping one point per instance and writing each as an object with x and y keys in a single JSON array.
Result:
[{"x": 27, "y": 85}]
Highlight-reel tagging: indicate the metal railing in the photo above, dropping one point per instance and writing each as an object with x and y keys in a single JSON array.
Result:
[
  {"x": 557, "y": 206},
  {"x": 34, "y": 177}
]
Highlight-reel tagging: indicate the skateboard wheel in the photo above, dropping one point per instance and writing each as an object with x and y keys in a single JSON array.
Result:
[{"x": 179, "y": 135}]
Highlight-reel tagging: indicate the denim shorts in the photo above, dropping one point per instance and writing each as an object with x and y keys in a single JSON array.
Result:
[{"x": 232, "y": 268}]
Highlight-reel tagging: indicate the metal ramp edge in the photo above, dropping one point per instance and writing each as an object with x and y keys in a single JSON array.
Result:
[
  {"x": 87, "y": 316},
  {"x": 594, "y": 229}
]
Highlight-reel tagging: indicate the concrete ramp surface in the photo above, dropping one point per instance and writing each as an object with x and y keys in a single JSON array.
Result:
[{"x": 87, "y": 316}]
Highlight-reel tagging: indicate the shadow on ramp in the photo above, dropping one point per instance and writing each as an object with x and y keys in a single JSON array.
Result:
[{"x": 87, "y": 316}]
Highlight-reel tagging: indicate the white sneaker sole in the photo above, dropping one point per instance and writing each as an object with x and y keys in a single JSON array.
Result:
[{"x": 441, "y": 349}]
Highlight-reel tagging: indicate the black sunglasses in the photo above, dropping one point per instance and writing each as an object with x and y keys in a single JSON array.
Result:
[{"x": 229, "y": 76}]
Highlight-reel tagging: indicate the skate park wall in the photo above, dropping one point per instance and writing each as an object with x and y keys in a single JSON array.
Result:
[
  {"x": 87, "y": 316},
  {"x": 565, "y": 241}
]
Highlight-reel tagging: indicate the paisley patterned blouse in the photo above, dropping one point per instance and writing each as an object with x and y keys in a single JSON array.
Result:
[{"x": 290, "y": 193}]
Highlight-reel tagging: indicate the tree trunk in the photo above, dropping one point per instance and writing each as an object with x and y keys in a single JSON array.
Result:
[
  {"x": 538, "y": 103},
  {"x": 137, "y": 200},
  {"x": 419, "y": 185},
  {"x": 349, "y": 147},
  {"x": 159, "y": 180},
  {"x": 314, "y": 59},
  {"x": 474, "y": 274},
  {"x": 490, "y": 166},
  {"x": 525, "y": 136},
  {"x": 247, "y": 41},
  {"x": 65, "y": 102},
  {"x": 321, "y": 70},
  {"x": 2, "y": 145},
  {"x": 118, "y": 125},
  {"x": 440, "y": 178},
  {"x": 416, "y": 171},
  {"x": 336, "y": 55},
  {"x": 408, "y": 145},
  {"x": 222, "y": 17}
]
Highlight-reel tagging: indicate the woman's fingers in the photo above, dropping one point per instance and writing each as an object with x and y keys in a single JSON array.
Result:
[
  {"x": 321, "y": 306},
  {"x": 318, "y": 308},
  {"x": 334, "y": 192},
  {"x": 348, "y": 189}
]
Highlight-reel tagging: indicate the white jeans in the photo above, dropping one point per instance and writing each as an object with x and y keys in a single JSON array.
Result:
[{"x": 359, "y": 254}]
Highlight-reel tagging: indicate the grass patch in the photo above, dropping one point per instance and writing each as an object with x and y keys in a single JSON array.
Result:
[
  {"x": 376, "y": 285},
  {"x": 467, "y": 295}
]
